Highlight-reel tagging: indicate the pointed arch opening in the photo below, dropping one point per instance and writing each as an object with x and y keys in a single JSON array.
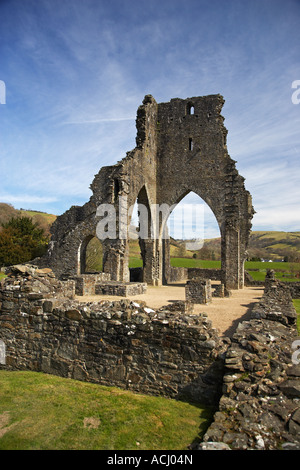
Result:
[
  {"x": 90, "y": 255},
  {"x": 139, "y": 234},
  {"x": 194, "y": 233}
]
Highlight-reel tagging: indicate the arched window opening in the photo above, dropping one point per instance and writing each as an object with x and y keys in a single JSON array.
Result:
[
  {"x": 194, "y": 231},
  {"x": 191, "y": 144},
  {"x": 190, "y": 109},
  {"x": 91, "y": 256}
]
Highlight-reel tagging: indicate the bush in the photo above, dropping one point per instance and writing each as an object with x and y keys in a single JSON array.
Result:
[{"x": 21, "y": 240}]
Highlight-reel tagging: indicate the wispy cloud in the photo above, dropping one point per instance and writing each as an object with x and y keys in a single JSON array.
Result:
[
  {"x": 76, "y": 72},
  {"x": 26, "y": 199},
  {"x": 96, "y": 121}
]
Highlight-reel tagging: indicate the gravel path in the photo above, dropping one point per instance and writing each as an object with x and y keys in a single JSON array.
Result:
[{"x": 225, "y": 313}]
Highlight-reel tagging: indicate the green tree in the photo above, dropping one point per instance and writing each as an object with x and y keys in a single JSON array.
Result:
[{"x": 21, "y": 240}]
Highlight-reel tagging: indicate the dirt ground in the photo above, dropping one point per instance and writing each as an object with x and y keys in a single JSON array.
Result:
[{"x": 225, "y": 313}]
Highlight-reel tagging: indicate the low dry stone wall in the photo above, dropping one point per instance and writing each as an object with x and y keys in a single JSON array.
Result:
[
  {"x": 121, "y": 343},
  {"x": 121, "y": 289},
  {"x": 252, "y": 378},
  {"x": 205, "y": 273},
  {"x": 176, "y": 274},
  {"x": 294, "y": 289},
  {"x": 260, "y": 405},
  {"x": 85, "y": 283}
]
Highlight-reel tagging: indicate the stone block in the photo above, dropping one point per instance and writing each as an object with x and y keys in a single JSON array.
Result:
[
  {"x": 198, "y": 291},
  {"x": 122, "y": 289}
]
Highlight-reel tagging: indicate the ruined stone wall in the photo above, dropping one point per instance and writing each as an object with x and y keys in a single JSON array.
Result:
[
  {"x": 166, "y": 352},
  {"x": 252, "y": 376},
  {"x": 86, "y": 283},
  {"x": 294, "y": 289},
  {"x": 192, "y": 156},
  {"x": 198, "y": 291},
  {"x": 176, "y": 274},
  {"x": 260, "y": 405},
  {"x": 177, "y": 151},
  {"x": 121, "y": 289},
  {"x": 205, "y": 273}
]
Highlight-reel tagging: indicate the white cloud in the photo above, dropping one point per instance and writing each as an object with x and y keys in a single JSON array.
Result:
[
  {"x": 26, "y": 199},
  {"x": 284, "y": 217},
  {"x": 76, "y": 73},
  {"x": 98, "y": 120}
]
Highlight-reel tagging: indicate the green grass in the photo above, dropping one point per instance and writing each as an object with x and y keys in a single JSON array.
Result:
[
  {"x": 50, "y": 218},
  {"x": 283, "y": 271},
  {"x": 257, "y": 269},
  {"x": 2, "y": 276},
  {"x": 45, "y": 412},
  {"x": 194, "y": 263},
  {"x": 296, "y": 303},
  {"x": 135, "y": 262}
]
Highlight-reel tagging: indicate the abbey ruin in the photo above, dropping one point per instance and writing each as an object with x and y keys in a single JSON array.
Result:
[
  {"x": 180, "y": 147},
  {"x": 49, "y": 325}
]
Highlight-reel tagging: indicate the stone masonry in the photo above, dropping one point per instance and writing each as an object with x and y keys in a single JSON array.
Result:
[
  {"x": 260, "y": 405},
  {"x": 180, "y": 148},
  {"x": 168, "y": 352},
  {"x": 198, "y": 291},
  {"x": 252, "y": 378}
]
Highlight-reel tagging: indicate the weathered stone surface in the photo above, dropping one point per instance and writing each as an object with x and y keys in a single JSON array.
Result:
[
  {"x": 73, "y": 314},
  {"x": 214, "y": 446},
  {"x": 198, "y": 291},
  {"x": 276, "y": 303},
  {"x": 176, "y": 152},
  {"x": 250, "y": 376},
  {"x": 260, "y": 406},
  {"x": 122, "y": 289},
  {"x": 123, "y": 343}
]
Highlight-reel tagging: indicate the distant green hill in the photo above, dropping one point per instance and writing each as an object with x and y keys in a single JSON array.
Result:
[
  {"x": 275, "y": 245},
  {"x": 44, "y": 220},
  {"x": 272, "y": 245}
]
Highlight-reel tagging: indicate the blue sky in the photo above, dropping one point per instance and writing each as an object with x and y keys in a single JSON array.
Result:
[{"x": 75, "y": 72}]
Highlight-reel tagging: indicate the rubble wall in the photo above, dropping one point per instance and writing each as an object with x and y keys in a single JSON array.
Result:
[
  {"x": 253, "y": 378},
  {"x": 116, "y": 343},
  {"x": 260, "y": 405}
]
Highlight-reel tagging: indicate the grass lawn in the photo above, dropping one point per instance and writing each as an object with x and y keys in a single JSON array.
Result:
[
  {"x": 194, "y": 263},
  {"x": 45, "y": 412},
  {"x": 50, "y": 218},
  {"x": 135, "y": 262},
  {"x": 257, "y": 269}
]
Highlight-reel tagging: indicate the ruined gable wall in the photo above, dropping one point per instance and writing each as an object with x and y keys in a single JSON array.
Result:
[
  {"x": 176, "y": 152},
  {"x": 200, "y": 168},
  {"x": 206, "y": 168},
  {"x": 192, "y": 156}
]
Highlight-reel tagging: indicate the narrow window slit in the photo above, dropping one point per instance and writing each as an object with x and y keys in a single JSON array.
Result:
[{"x": 190, "y": 109}]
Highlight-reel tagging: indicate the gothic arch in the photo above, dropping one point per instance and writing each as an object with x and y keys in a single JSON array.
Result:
[{"x": 177, "y": 151}]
